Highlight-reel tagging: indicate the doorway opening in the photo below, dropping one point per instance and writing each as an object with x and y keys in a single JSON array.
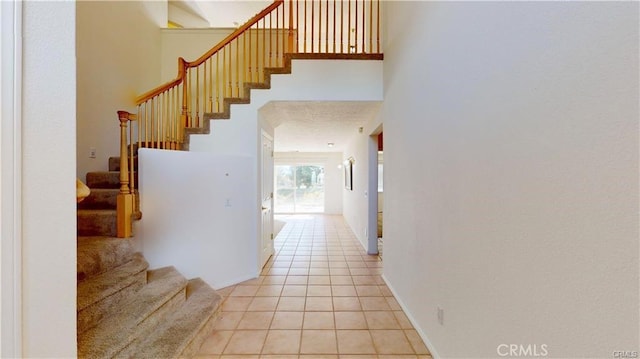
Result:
[{"x": 299, "y": 188}]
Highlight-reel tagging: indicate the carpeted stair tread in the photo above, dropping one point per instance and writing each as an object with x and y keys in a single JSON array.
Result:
[
  {"x": 99, "y": 295},
  {"x": 97, "y": 222},
  {"x": 97, "y": 255},
  {"x": 100, "y": 198},
  {"x": 105, "y": 179},
  {"x": 114, "y": 163},
  {"x": 183, "y": 331},
  {"x": 143, "y": 313}
]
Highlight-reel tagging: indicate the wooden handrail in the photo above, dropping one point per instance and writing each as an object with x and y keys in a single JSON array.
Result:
[
  {"x": 182, "y": 71},
  {"x": 184, "y": 65}
]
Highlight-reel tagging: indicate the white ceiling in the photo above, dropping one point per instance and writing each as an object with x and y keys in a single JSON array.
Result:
[
  {"x": 307, "y": 126},
  {"x": 214, "y": 13}
]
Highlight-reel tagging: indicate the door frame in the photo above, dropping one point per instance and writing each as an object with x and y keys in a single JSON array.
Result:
[
  {"x": 11, "y": 180},
  {"x": 261, "y": 258},
  {"x": 372, "y": 198}
]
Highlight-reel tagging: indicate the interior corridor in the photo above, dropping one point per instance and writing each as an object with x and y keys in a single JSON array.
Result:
[{"x": 319, "y": 296}]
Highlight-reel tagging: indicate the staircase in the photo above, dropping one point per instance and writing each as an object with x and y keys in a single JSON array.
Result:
[{"x": 125, "y": 309}]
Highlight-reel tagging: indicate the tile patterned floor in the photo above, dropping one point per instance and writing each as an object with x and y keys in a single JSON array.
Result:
[{"x": 320, "y": 296}]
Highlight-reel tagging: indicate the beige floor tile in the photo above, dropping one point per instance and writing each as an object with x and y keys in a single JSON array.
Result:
[
  {"x": 368, "y": 291},
  {"x": 240, "y": 356},
  {"x": 299, "y": 271},
  {"x": 263, "y": 304},
  {"x": 344, "y": 291},
  {"x": 318, "y": 342},
  {"x": 276, "y": 271},
  {"x": 255, "y": 320},
  {"x": 315, "y": 304},
  {"x": 402, "y": 319},
  {"x": 356, "y": 262},
  {"x": 287, "y": 320},
  {"x": 416, "y": 342},
  {"x": 391, "y": 342},
  {"x": 393, "y": 303},
  {"x": 346, "y": 304},
  {"x": 318, "y": 291},
  {"x": 269, "y": 290},
  {"x": 355, "y": 342},
  {"x": 300, "y": 264},
  {"x": 318, "y": 320},
  {"x": 319, "y": 356},
  {"x": 381, "y": 320},
  {"x": 282, "y": 342},
  {"x": 294, "y": 291},
  {"x": 228, "y": 320},
  {"x": 385, "y": 291},
  {"x": 360, "y": 271},
  {"x": 279, "y": 356},
  {"x": 358, "y": 356},
  {"x": 297, "y": 280},
  {"x": 364, "y": 280},
  {"x": 399, "y": 356},
  {"x": 341, "y": 280},
  {"x": 319, "y": 280},
  {"x": 224, "y": 292},
  {"x": 244, "y": 291},
  {"x": 246, "y": 342},
  {"x": 274, "y": 279},
  {"x": 206, "y": 356},
  {"x": 374, "y": 303},
  {"x": 338, "y": 264},
  {"x": 291, "y": 304},
  {"x": 254, "y": 281},
  {"x": 216, "y": 342},
  {"x": 236, "y": 304},
  {"x": 340, "y": 271},
  {"x": 350, "y": 320}
]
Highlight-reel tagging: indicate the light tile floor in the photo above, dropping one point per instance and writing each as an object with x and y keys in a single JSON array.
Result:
[{"x": 319, "y": 296}]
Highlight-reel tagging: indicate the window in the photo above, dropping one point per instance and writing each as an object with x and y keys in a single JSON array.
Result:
[{"x": 299, "y": 189}]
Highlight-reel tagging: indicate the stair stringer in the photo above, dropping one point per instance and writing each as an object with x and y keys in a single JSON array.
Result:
[{"x": 310, "y": 80}]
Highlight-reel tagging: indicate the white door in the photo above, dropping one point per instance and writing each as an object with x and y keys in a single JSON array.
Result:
[{"x": 267, "y": 198}]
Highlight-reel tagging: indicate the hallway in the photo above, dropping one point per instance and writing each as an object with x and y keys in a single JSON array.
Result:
[{"x": 319, "y": 296}]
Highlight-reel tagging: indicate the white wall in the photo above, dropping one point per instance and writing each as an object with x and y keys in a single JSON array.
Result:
[
  {"x": 333, "y": 181},
  {"x": 357, "y": 202},
  {"x": 48, "y": 183},
  {"x": 201, "y": 228},
  {"x": 511, "y": 174},
  {"x": 118, "y": 55},
  {"x": 189, "y": 44}
]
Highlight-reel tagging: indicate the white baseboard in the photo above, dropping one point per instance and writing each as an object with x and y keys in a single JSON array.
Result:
[
  {"x": 413, "y": 321},
  {"x": 235, "y": 281}
]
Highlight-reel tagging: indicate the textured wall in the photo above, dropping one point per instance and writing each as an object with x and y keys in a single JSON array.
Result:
[
  {"x": 48, "y": 180},
  {"x": 511, "y": 174}
]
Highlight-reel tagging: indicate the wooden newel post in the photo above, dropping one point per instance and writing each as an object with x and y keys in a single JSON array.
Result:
[{"x": 125, "y": 198}]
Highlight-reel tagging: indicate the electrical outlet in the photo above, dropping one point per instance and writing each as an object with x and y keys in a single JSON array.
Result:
[
  {"x": 440, "y": 316},
  {"x": 92, "y": 152}
]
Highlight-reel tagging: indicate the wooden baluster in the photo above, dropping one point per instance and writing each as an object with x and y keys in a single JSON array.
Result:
[
  {"x": 297, "y": 48},
  {"x": 277, "y": 38},
  {"x": 326, "y": 33},
  {"x": 364, "y": 25},
  {"x": 341, "y": 26},
  {"x": 312, "y": 26},
  {"x": 334, "y": 26},
  {"x": 349, "y": 27},
  {"x": 378, "y": 28},
  {"x": 290, "y": 42},
  {"x": 355, "y": 39},
  {"x": 305, "y": 26},
  {"x": 370, "y": 26}
]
